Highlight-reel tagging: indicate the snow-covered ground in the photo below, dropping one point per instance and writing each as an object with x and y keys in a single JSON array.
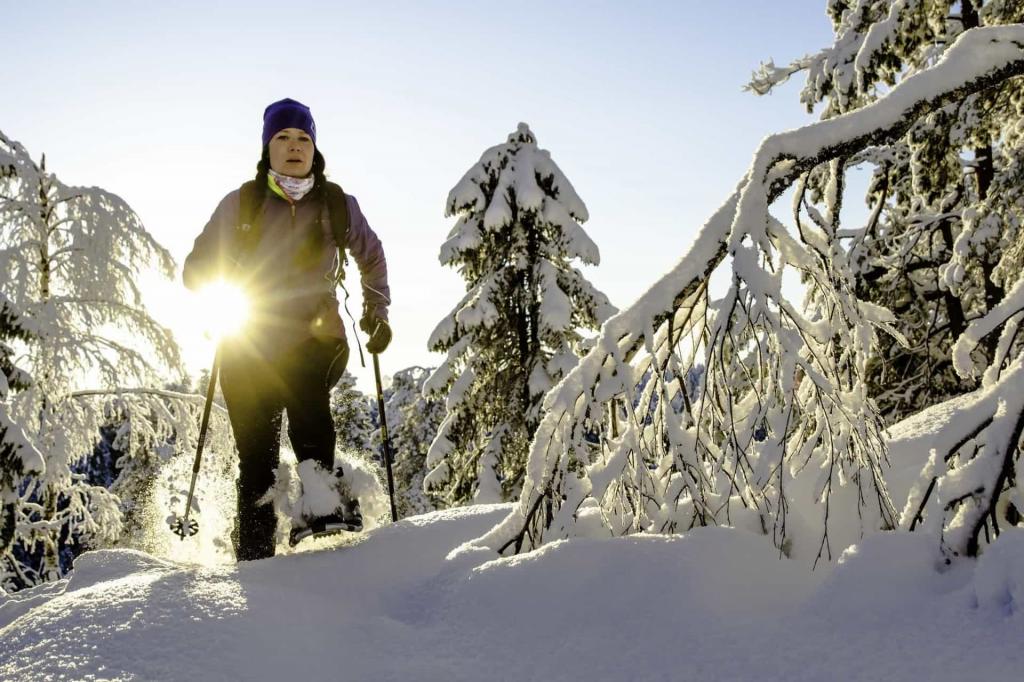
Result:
[{"x": 714, "y": 604}]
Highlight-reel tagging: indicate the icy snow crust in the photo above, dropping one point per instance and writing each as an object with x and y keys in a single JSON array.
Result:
[{"x": 716, "y": 603}]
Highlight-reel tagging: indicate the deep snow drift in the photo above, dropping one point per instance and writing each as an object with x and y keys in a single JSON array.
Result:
[{"x": 716, "y": 603}]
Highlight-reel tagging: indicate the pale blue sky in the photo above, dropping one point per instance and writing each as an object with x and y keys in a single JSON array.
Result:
[{"x": 640, "y": 103}]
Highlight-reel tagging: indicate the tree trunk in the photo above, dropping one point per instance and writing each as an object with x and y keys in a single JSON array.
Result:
[
  {"x": 984, "y": 173},
  {"x": 51, "y": 548},
  {"x": 954, "y": 307},
  {"x": 532, "y": 313},
  {"x": 51, "y": 540}
]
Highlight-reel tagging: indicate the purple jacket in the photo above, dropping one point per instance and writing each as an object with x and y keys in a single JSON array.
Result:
[{"x": 290, "y": 275}]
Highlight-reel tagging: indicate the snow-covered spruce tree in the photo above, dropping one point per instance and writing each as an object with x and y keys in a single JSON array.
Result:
[
  {"x": 17, "y": 456},
  {"x": 413, "y": 420},
  {"x": 352, "y": 419},
  {"x": 783, "y": 437},
  {"x": 943, "y": 246},
  {"x": 516, "y": 331},
  {"x": 69, "y": 257}
]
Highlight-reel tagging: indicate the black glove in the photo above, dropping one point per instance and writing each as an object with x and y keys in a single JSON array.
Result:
[{"x": 379, "y": 331}]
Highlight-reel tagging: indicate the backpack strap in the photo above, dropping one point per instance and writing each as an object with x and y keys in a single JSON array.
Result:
[
  {"x": 248, "y": 228},
  {"x": 337, "y": 207}
]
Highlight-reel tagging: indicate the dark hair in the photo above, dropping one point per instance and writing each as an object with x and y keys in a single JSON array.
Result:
[{"x": 319, "y": 166}]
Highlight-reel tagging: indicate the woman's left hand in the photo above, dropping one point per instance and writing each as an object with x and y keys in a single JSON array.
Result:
[{"x": 379, "y": 331}]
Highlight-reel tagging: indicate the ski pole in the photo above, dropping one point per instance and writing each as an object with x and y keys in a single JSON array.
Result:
[
  {"x": 384, "y": 436},
  {"x": 182, "y": 526}
]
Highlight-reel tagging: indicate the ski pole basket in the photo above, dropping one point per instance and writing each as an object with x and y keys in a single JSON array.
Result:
[{"x": 184, "y": 528}]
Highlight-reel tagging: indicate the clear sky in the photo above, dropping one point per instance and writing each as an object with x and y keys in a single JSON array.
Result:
[{"x": 640, "y": 103}]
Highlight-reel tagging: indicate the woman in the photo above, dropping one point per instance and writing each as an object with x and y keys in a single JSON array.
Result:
[{"x": 275, "y": 237}]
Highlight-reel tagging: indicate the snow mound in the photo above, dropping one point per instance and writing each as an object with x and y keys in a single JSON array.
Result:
[
  {"x": 397, "y": 603},
  {"x": 885, "y": 572},
  {"x": 909, "y": 442},
  {"x": 718, "y": 573},
  {"x": 605, "y": 609},
  {"x": 93, "y": 568},
  {"x": 999, "y": 577}
]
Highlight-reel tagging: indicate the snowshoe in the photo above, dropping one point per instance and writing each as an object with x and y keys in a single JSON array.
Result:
[{"x": 348, "y": 519}]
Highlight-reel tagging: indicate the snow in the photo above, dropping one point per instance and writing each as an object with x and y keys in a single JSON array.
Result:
[
  {"x": 478, "y": 308},
  {"x": 31, "y": 459},
  {"x": 465, "y": 236},
  {"x": 911, "y": 440},
  {"x": 999, "y": 577},
  {"x": 921, "y": 445},
  {"x": 878, "y": 36},
  {"x": 576, "y": 242},
  {"x": 1011, "y": 305},
  {"x": 714, "y": 603},
  {"x": 320, "y": 495},
  {"x": 458, "y": 389},
  {"x": 977, "y": 54},
  {"x": 555, "y": 306}
]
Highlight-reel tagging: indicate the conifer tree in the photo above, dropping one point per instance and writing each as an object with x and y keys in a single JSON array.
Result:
[
  {"x": 350, "y": 409},
  {"x": 413, "y": 420},
  {"x": 516, "y": 332},
  {"x": 18, "y": 457}
]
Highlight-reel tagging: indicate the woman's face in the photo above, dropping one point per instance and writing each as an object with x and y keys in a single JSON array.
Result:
[{"x": 291, "y": 152}]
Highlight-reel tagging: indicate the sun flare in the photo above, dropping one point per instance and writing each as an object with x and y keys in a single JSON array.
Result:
[{"x": 223, "y": 309}]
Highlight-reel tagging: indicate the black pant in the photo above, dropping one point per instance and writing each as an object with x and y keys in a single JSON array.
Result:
[{"x": 257, "y": 392}]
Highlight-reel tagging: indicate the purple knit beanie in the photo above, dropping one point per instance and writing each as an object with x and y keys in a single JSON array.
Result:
[{"x": 287, "y": 113}]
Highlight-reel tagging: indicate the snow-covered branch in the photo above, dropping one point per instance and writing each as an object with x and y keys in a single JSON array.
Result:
[{"x": 810, "y": 365}]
